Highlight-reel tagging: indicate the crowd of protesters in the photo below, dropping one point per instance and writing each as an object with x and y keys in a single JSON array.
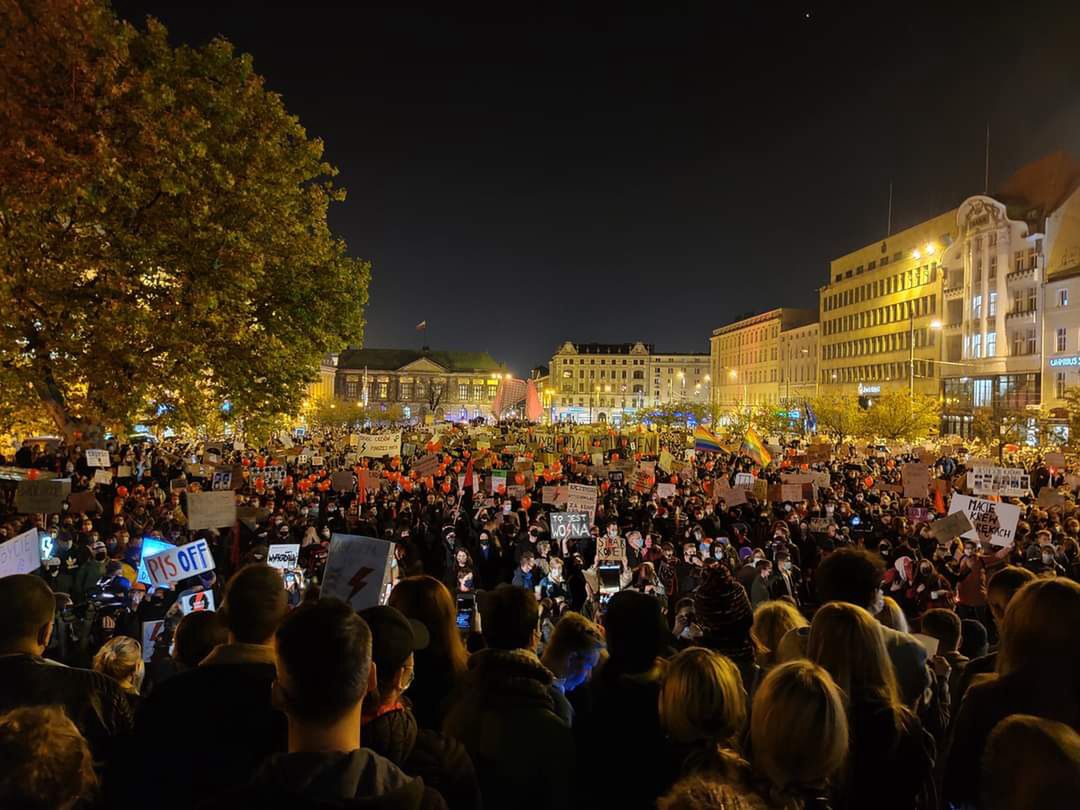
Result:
[{"x": 829, "y": 652}]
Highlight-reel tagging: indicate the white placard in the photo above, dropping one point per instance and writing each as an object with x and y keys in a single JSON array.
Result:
[
  {"x": 1011, "y": 482},
  {"x": 665, "y": 490},
  {"x": 196, "y": 602},
  {"x": 97, "y": 458},
  {"x": 150, "y": 633},
  {"x": 101, "y": 477},
  {"x": 211, "y": 510},
  {"x": 179, "y": 562},
  {"x": 316, "y": 461},
  {"x": 21, "y": 554},
  {"x": 357, "y": 569},
  {"x": 991, "y": 521},
  {"x": 284, "y": 555},
  {"x": 377, "y": 445},
  {"x": 745, "y": 480}
]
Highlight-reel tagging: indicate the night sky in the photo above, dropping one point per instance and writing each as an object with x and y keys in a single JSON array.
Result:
[{"x": 523, "y": 175}]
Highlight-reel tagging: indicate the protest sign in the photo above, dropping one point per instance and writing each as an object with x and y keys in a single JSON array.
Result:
[
  {"x": 196, "y": 602},
  {"x": 992, "y": 522},
  {"x": 555, "y": 496},
  {"x": 731, "y": 496},
  {"x": 991, "y": 480},
  {"x": 222, "y": 480},
  {"x": 83, "y": 503},
  {"x": 150, "y": 633},
  {"x": 211, "y": 510},
  {"x": 317, "y": 461},
  {"x": 498, "y": 479},
  {"x": 916, "y": 478},
  {"x": 642, "y": 483},
  {"x": 955, "y": 525},
  {"x": 354, "y": 440},
  {"x": 179, "y": 562},
  {"x": 918, "y": 514},
  {"x": 665, "y": 490},
  {"x": 1055, "y": 460},
  {"x": 1049, "y": 498},
  {"x": 357, "y": 570},
  {"x": 378, "y": 445},
  {"x": 760, "y": 489},
  {"x": 272, "y": 474},
  {"x": 666, "y": 461},
  {"x": 791, "y": 492},
  {"x": 610, "y": 549},
  {"x": 581, "y": 498},
  {"x": 569, "y": 526},
  {"x": 648, "y": 467},
  {"x": 284, "y": 555},
  {"x": 178, "y": 484},
  {"x": 41, "y": 496},
  {"x": 150, "y": 547},
  {"x": 123, "y": 471},
  {"x": 21, "y": 554},
  {"x": 818, "y": 453},
  {"x": 342, "y": 481},
  {"x": 597, "y": 459},
  {"x": 197, "y": 470},
  {"x": 103, "y": 477},
  {"x": 97, "y": 458},
  {"x": 820, "y": 525},
  {"x": 745, "y": 479},
  {"x": 427, "y": 465},
  {"x": 796, "y": 478},
  {"x": 618, "y": 476}
]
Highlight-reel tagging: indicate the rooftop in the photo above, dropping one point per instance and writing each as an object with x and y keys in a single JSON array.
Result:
[
  {"x": 1039, "y": 188},
  {"x": 394, "y": 359}
]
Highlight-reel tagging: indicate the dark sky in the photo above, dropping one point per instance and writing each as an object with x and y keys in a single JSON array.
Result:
[{"x": 522, "y": 175}]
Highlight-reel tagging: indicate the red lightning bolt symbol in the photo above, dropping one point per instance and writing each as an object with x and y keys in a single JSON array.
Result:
[{"x": 358, "y": 582}]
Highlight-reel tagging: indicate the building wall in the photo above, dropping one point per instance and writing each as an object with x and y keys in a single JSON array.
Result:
[
  {"x": 464, "y": 395},
  {"x": 1061, "y": 303},
  {"x": 798, "y": 363},
  {"x": 746, "y": 365},
  {"x": 874, "y": 298}
]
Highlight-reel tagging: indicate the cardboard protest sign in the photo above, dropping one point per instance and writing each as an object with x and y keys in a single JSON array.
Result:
[
  {"x": 179, "y": 562},
  {"x": 150, "y": 633},
  {"x": 342, "y": 481},
  {"x": 791, "y": 492},
  {"x": 955, "y": 525},
  {"x": 760, "y": 489},
  {"x": 123, "y": 471},
  {"x": 83, "y": 502},
  {"x": 250, "y": 516},
  {"x": 731, "y": 496},
  {"x": 178, "y": 483},
  {"x": 745, "y": 479},
  {"x": 916, "y": 478},
  {"x": 1050, "y": 497},
  {"x": 818, "y": 453},
  {"x": 610, "y": 549},
  {"x": 1055, "y": 460},
  {"x": 378, "y": 445},
  {"x": 642, "y": 483},
  {"x": 41, "y": 496},
  {"x": 555, "y": 496},
  {"x": 796, "y": 478},
  {"x": 103, "y": 477},
  {"x": 357, "y": 570},
  {"x": 569, "y": 525},
  {"x": 284, "y": 555},
  {"x": 21, "y": 554},
  {"x": 581, "y": 498},
  {"x": 666, "y": 461},
  {"x": 195, "y": 602},
  {"x": 211, "y": 510},
  {"x": 427, "y": 465},
  {"x": 97, "y": 458},
  {"x": 665, "y": 490},
  {"x": 992, "y": 522}
]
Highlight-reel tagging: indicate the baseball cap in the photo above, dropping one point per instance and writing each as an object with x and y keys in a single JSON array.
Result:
[
  {"x": 97, "y": 547},
  {"x": 393, "y": 637}
]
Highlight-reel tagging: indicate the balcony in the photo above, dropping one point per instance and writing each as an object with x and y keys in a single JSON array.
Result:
[
  {"x": 1027, "y": 274},
  {"x": 1021, "y": 316},
  {"x": 953, "y": 292}
]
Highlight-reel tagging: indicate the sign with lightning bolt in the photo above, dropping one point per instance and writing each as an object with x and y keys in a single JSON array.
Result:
[{"x": 358, "y": 570}]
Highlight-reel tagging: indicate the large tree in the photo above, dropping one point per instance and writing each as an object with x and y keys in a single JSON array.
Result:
[
  {"x": 839, "y": 416},
  {"x": 164, "y": 246},
  {"x": 897, "y": 416}
]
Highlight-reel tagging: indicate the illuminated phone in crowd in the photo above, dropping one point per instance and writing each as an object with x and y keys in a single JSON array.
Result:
[{"x": 466, "y": 612}]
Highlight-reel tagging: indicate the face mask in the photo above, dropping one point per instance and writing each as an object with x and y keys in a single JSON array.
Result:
[
  {"x": 786, "y": 566},
  {"x": 613, "y": 533}
]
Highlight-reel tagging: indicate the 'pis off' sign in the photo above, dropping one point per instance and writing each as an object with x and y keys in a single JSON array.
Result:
[{"x": 179, "y": 562}]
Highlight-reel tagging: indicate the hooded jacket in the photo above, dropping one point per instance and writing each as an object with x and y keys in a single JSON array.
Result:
[
  {"x": 338, "y": 780},
  {"x": 442, "y": 762},
  {"x": 507, "y": 718}
]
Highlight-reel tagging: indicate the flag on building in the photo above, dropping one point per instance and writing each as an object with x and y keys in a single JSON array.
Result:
[
  {"x": 705, "y": 441},
  {"x": 422, "y": 326},
  {"x": 754, "y": 447}
]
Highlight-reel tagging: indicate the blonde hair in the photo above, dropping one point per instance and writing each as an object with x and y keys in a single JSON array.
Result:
[
  {"x": 1041, "y": 630},
  {"x": 847, "y": 641},
  {"x": 703, "y": 698},
  {"x": 708, "y": 792},
  {"x": 798, "y": 729},
  {"x": 892, "y": 616},
  {"x": 1031, "y": 762},
  {"x": 46, "y": 761},
  {"x": 121, "y": 659},
  {"x": 573, "y": 635},
  {"x": 772, "y": 621}
]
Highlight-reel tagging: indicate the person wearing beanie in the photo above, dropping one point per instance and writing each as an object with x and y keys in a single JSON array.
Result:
[{"x": 724, "y": 613}]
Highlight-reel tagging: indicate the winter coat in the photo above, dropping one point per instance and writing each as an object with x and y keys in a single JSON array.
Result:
[
  {"x": 441, "y": 761},
  {"x": 508, "y": 720},
  {"x": 338, "y": 780}
]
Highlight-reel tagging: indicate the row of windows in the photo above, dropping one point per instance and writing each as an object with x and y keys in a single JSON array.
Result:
[
  {"x": 877, "y": 372},
  {"x": 568, "y": 388},
  {"x": 916, "y": 277},
  {"x": 746, "y": 358},
  {"x": 1005, "y": 391},
  {"x": 945, "y": 239},
  {"x": 753, "y": 376},
  {"x": 746, "y": 337},
  {"x": 801, "y": 374},
  {"x": 638, "y": 374},
  {"x": 879, "y": 344},
  {"x": 891, "y": 313}
]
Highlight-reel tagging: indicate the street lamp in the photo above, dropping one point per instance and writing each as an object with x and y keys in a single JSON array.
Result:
[
  {"x": 934, "y": 325},
  {"x": 596, "y": 390}
]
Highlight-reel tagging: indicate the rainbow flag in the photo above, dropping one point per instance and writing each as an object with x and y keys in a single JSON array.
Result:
[
  {"x": 755, "y": 448},
  {"x": 705, "y": 441}
]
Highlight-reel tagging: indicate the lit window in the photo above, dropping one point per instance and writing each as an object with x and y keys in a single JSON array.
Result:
[
  {"x": 1062, "y": 339},
  {"x": 1063, "y": 297},
  {"x": 991, "y": 344}
]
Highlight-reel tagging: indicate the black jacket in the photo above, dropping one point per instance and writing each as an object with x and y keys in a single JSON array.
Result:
[
  {"x": 217, "y": 717},
  {"x": 508, "y": 720},
  {"x": 357, "y": 780},
  {"x": 441, "y": 761},
  {"x": 94, "y": 702}
]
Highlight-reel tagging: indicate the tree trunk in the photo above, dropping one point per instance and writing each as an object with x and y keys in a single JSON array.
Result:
[{"x": 84, "y": 432}]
